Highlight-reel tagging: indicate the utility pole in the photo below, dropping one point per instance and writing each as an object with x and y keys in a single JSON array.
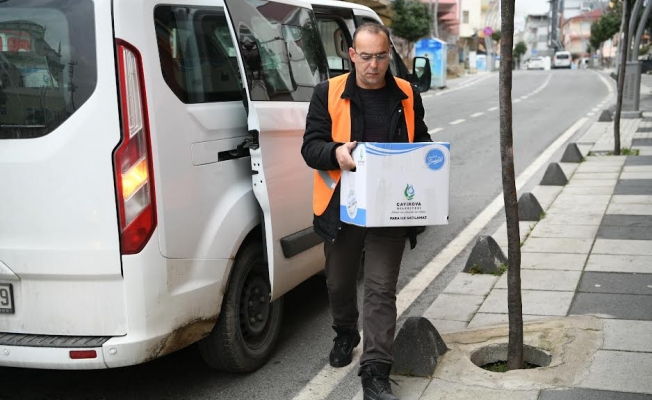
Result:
[
  {"x": 632, "y": 28},
  {"x": 553, "y": 24},
  {"x": 435, "y": 19},
  {"x": 562, "y": 7},
  {"x": 641, "y": 29},
  {"x": 631, "y": 98},
  {"x": 490, "y": 19}
]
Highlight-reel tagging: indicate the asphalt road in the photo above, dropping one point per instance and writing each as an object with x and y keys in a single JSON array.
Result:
[{"x": 466, "y": 116}]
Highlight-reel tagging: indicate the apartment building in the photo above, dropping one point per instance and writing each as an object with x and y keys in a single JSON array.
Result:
[
  {"x": 577, "y": 32},
  {"x": 536, "y": 34}
]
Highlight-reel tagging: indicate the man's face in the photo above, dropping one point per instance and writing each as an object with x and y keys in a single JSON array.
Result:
[{"x": 370, "y": 73}]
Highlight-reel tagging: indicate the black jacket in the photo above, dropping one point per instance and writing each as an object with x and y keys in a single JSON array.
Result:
[{"x": 318, "y": 148}]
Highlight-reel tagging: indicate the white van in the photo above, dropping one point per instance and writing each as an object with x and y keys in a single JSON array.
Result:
[
  {"x": 562, "y": 59},
  {"x": 153, "y": 193}
]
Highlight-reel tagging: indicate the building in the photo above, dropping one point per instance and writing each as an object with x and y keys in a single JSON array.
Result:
[
  {"x": 574, "y": 8},
  {"x": 536, "y": 34},
  {"x": 448, "y": 18},
  {"x": 577, "y": 32},
  {"x": 470, "y": 22}
]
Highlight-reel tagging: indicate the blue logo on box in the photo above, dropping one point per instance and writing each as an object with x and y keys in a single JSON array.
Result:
[{"x": 435, "y": 159}]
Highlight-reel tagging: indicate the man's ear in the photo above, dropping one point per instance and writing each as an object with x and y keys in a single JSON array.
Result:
[{"x": 351, "y": 53}]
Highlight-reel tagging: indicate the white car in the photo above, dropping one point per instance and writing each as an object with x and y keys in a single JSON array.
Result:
[
  {"x": 562, "y": 59},
  {"x": 536, "y": 63}
]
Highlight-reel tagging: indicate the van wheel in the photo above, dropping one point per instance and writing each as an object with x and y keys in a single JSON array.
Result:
[{"x": 248, "y": 326}]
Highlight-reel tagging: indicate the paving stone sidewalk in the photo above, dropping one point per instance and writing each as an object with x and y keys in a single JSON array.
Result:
[{"x": 590, "y": 254}]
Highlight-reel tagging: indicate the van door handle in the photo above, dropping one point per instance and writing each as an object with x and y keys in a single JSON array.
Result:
[{"x": 254, "y": 139}]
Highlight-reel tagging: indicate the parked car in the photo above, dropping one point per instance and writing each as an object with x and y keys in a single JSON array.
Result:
[
  {"x": 562, "y": 59},
  {"x": 536, "y": 63}
]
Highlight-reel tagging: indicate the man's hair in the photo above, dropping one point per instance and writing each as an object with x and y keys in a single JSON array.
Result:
[{"x": 373, "y": 28}]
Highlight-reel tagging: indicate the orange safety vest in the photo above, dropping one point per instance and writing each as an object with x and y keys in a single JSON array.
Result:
[{"x": 339, "y": 109}]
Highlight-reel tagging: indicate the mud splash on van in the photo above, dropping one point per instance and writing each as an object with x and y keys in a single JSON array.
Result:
[{"x": 181, "y": 337}]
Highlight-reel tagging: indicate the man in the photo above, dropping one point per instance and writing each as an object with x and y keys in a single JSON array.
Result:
[{"x": 368, "y": 105}]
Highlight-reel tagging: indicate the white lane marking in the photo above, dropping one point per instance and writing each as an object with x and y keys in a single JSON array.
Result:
[
  {"x": 543, "y": 86},
  {"x": 459, "y": 121},
  {"x": 435, "y": 130},
  {"x": 477, "y": 114},
  {"x": 516, "y": 101},
  {"x": 322, "y": 384},
  {"x": 605, "y": 81},
  {"x": 524, "y": 97},
  {"x": 492, "y": 109},
  {"x": 594, "y": 109},
  {"x": 425, "y": 96},
  {"x": 590, "y": 114},
  {"x": 471, "y": 83}
]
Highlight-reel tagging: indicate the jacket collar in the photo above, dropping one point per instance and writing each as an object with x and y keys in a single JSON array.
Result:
[{"x": 395, "y": 92}]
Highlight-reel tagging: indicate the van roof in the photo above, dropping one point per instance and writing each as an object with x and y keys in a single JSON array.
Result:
[{"x": 340, "y": 4}]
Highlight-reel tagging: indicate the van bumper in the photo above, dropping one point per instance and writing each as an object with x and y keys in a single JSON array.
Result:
[
  {"x": 54, "y": 352},
  {"x": 48, "y": 358}
]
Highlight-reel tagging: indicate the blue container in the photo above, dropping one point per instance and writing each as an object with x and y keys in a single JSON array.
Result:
[{"x": 436, "y": 51}]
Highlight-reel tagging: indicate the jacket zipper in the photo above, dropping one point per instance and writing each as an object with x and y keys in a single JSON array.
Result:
[{"x": 392, "y": 132}]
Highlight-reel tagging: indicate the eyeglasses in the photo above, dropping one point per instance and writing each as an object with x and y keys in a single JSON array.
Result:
[{"x": 366, "y": 57}]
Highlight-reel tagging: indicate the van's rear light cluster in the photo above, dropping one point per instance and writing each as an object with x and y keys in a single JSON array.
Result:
[{"x": 133, "y": 157}]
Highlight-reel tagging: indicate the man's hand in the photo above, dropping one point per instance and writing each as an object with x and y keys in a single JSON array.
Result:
[{"x": 343, "y": 156}]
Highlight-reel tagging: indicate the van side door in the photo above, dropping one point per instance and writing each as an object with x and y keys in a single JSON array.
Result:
[{"x": 282, "y": 59}]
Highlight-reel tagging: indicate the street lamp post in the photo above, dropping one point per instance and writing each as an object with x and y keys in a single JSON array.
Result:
[
  {"x": 435, "y": 19},
  {"x": 492, "y": 13}
]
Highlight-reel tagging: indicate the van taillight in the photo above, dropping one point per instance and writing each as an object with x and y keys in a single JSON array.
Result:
[{"x": 133, "y": 157}]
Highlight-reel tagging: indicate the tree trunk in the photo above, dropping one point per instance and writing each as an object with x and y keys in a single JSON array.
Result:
[
  {"x": 624, "y": 28},
  {"x": 514, "y": 306},
  {"x": 602, "y": 55}
]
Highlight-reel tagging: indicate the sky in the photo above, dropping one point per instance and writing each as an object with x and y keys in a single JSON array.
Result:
[{"x": 525, "y": 7}]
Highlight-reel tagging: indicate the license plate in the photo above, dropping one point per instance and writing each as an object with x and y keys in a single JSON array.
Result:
[{"x": 6, "y": 298}]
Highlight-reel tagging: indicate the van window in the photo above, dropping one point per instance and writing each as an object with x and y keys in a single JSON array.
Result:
[
  {"x": 281, "y": 48},
  {"x": 336, "y": 43},
  {"x": 196, "y": 52},
  {"x": 47, "y": 64}
]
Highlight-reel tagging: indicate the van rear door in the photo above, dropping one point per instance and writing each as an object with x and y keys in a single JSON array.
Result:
[
  {"x": 59, "y": 124},
  {"x": 282, "y": 58}
]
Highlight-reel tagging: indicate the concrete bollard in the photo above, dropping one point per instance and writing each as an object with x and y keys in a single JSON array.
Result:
[
  {"x": 529, "y": 208},
  {"x": 605, "y": 116},
  {"x": 554, "y": 176},
  {"x": 572, "y": 154},
  {"x": 418, "y": 348},
  {"x": 486, "y": 256}
]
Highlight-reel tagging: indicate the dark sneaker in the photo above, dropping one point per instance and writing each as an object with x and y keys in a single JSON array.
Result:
[
  {"x": 342, "y": 352},
  {"x": 375, "y": 381}
]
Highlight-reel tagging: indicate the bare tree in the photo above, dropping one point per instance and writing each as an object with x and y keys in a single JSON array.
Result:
[
  {"x": 627, "y": 12},
  {"x": 514, "y": 306}
]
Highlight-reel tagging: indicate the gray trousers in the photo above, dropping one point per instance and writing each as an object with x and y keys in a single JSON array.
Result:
[{"x": 383, "y": 252}]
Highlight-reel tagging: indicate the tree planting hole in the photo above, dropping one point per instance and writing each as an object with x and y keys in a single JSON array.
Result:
[{"x": 494, "y": 358}]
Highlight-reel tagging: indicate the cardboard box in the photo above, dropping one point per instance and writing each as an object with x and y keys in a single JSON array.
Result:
[{"x": 397, "y": 184}]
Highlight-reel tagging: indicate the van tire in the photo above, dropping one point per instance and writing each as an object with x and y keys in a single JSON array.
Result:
[{"x": 236, "y": 345}]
